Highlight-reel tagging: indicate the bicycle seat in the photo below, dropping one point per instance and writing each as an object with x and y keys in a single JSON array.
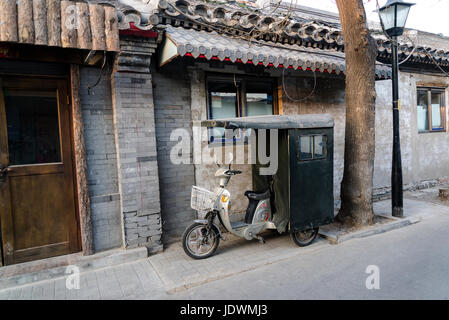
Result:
[{"x": 252, "y": 195}]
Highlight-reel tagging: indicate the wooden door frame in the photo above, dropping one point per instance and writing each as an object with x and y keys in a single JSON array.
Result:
[
  {"x": 4, "y": 205},
  {"x": 80, "y": 163}
]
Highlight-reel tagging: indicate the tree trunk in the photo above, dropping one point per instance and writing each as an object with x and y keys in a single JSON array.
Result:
[{"x": 360, "y": 50}]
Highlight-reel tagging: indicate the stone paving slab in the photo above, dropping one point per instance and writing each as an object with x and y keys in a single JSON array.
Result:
[
  {"x": 126, "y": 281},
  {"x": 417, "y": 204},
  {"x": 45, "y": 269}
]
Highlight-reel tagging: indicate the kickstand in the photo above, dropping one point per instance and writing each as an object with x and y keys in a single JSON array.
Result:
[{"x": 261, "y": 239}]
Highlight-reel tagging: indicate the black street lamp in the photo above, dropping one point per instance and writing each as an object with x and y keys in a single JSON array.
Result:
[{"x": 393, "y": 16}]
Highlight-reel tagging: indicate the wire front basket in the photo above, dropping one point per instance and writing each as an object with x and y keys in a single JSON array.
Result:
[{"x": 202, "y": 199}]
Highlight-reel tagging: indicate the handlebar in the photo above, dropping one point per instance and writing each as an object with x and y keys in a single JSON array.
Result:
[{"x": 233, "y": 172}]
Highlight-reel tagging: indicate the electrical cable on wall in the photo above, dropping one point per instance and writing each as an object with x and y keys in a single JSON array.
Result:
[
  {"x": 302, "y": 99},
  {"x": 89, "y": 88}
]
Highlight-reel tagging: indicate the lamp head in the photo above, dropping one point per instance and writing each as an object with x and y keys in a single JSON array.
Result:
[{"x": 394, "y": 15}]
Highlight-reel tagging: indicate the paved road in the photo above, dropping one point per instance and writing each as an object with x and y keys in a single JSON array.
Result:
[{"x": 413, "y": 264}]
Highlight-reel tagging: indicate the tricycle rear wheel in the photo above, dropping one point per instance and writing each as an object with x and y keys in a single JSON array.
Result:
[{"x": 305, "y": 237}]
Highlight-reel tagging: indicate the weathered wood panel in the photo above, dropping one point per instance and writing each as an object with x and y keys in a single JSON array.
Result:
[
  {"x": 84, "y": 32},
  {"x": 111, "y": 29},
  {"x": 69, "y": 24},
  {"x": 98, "y": 27},
  {"x": 8, "y": 20},
  {"x": 54, "y": 22},
  {"x": 40, "y": 22},
  {"x": 25, "y": 21},
  {"x": 60, "y": 23},
  {"x": 80, "y": 163}
]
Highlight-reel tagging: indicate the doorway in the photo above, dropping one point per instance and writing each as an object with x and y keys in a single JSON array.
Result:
[{"x": 38, "y": 214}]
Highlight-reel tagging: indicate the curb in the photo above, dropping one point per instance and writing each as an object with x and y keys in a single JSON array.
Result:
[{"x": 335, "y": 238}]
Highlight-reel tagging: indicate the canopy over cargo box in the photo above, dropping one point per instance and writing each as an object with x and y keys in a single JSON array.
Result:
[{"x": 298, "y": 121}]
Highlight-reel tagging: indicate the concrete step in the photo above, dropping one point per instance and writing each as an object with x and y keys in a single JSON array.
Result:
[{"x": 51, "y": 268}]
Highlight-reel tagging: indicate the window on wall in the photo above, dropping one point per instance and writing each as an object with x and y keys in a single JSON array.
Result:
[
  {"x": 431, "y": 110},
  {"x": 238, "y": 97}
]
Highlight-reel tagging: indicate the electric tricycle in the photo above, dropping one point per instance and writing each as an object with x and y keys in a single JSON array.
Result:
[{"x": 296, "y": 197}]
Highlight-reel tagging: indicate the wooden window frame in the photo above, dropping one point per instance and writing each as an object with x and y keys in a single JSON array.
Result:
[
  {"x": 443, "y": 108},
  {"x": 241, "y": 91},
  {"x": 241, "y": 103}
]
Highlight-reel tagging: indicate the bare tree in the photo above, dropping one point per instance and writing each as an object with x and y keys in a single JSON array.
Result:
[{"x": 360, "y": 50}]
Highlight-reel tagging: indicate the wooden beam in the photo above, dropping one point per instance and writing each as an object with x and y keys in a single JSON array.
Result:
[
  {"x": 111, "y": 29},
  {"x": 49, "y": 54},
  {"x": 279, "y": 97},
  {"x": 84, "y": 31},
  {"x": 40, "y": 22},
  {"x": 25, "y": 21},
  {"x": 97, "y": 27},
  {"x": 54, "y": 22},
  {"x": 80, "y": 163},
  {"x": 8, "y": 20},
  {"x": 69, "y": 24}
]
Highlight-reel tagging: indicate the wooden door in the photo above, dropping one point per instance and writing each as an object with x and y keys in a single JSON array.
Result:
[{"x": 37, "y": 205}]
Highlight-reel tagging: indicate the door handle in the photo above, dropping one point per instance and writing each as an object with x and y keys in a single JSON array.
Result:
[{"x": 3, "y": 171}]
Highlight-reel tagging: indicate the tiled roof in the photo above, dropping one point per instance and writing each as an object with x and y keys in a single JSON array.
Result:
[
  {"x": 213, "y": 16},
  {"x": 142, "y": 14},
  {"x": 273, "y": 26},
  {"x": 229, "y": 17},
  {"x": 214, "y": 46}
]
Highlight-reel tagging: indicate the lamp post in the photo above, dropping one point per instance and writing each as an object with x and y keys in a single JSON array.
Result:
[{"x": 393, "y": 16}]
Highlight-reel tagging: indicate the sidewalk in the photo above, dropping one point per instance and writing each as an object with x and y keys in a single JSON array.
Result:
[
  {"x": 117, "y": 282},
  {"x": 162, "y": 275}
]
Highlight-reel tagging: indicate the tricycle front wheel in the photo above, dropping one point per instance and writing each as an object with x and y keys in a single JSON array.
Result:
[
  {"x": 305, "y": 237},
  {"x": 198, "y": 243}
]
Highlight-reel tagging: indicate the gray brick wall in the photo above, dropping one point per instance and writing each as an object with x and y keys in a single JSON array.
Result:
[
  {"x": 136, "y": 143},
  {"x": 172, "y": 110},
  {"x": 101, "y": 160}
]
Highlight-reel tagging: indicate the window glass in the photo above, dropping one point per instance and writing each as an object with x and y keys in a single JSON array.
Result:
[
  {"x": 259, "y": 98},
  {"x": 223, "y": 103},
  {"x": 259, "y": 104},
  {"x": 423, "y": 111},
  {"x": 32, "y": 127},
  {"x": 238, "y": 97},
  {"x": 436, "y": 104},
  {"x": 318, "y": 147},
  {"x": 305, "y": 147},
  {"x": 223, "y": 100},
  {"x": 312, "y": 147}
]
